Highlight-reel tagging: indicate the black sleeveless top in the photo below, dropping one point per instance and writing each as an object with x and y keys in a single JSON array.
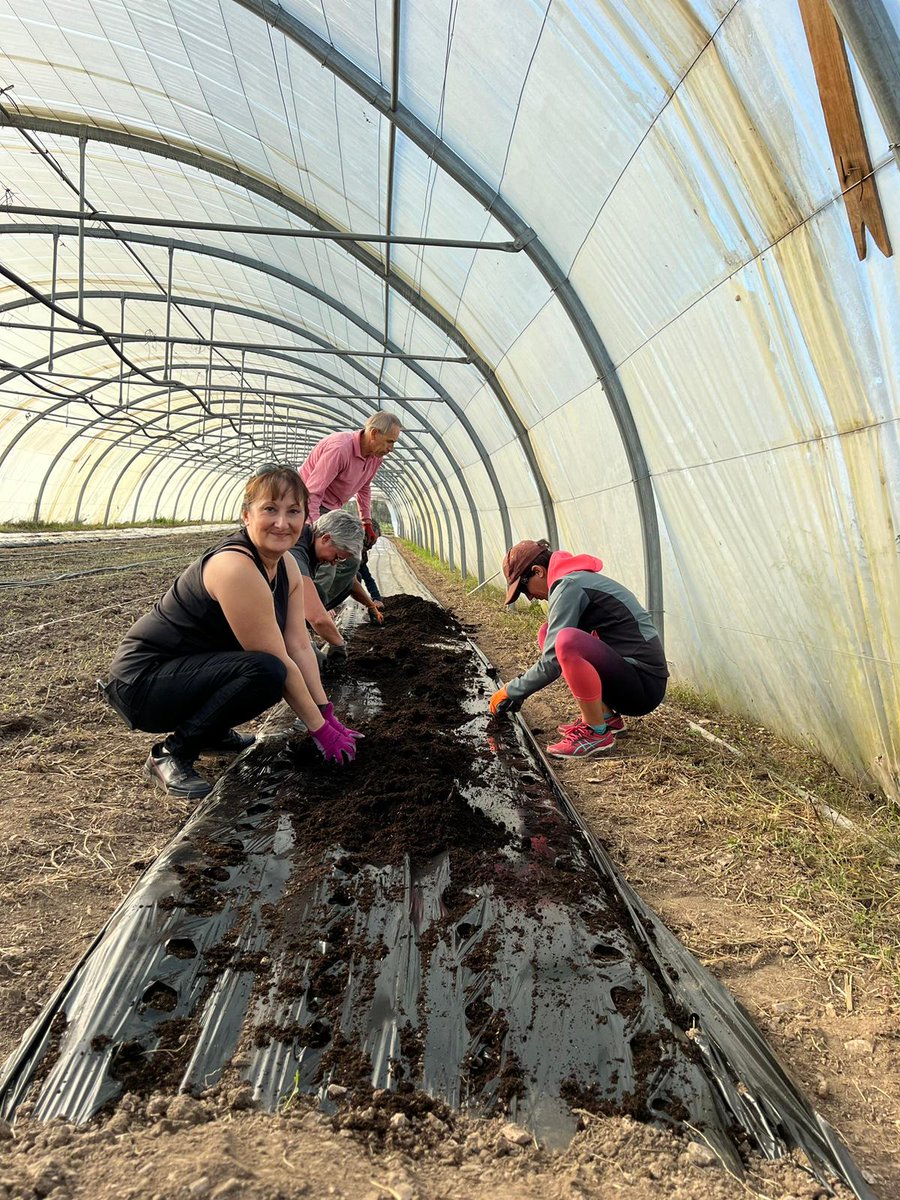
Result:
[{"x": 188, "y": 621}]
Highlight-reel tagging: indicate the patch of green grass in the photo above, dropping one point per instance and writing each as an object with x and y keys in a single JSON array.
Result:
[
  {"x": 843, "y": 882},
  {"x": 437, "y": 564},
  {"x": 530, "y": 617},
  {"x": 66, "y": 526},
  {"x": 699, "y": 703}
]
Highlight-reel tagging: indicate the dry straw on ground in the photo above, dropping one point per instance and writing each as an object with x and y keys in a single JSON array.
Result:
[{"x": 799, "y": 918}]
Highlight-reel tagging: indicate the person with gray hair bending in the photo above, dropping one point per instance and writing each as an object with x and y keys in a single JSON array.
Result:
[
  {"x": 343, "y": 465},
  {"x": 336, "y": 538}
]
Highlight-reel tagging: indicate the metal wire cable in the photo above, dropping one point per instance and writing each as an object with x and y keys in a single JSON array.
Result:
[{"x": 11, "y": 633}]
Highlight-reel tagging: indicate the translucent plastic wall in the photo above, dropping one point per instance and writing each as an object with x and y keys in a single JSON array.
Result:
[{"x": 625, "y": 309}]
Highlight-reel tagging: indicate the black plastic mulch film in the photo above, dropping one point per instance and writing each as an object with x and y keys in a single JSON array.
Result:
[{"x": 510, "y": 969}]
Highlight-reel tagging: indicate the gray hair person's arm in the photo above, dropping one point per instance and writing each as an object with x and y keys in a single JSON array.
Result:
[{"x": 318, "y": 616}]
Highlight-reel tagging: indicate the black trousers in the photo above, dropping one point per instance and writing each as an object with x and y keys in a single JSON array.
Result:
[
  {"x": 201, "y": 696},
  {"x": 368, "y": 579}
]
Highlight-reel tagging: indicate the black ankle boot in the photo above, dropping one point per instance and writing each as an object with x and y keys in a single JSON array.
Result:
[{"x": 176, "y": 776}]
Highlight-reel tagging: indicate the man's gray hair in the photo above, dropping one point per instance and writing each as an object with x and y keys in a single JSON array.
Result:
[
  {"x": 345, "y": 529},
  {"x": 383, "y": 422}
]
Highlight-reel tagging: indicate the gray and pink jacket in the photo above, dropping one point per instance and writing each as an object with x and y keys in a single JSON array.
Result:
[{"x": 581, "y": 597}]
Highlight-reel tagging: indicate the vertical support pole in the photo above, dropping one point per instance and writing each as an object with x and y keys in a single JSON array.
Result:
[
  {"x": 53, "y": 273},
  {"x": 267, "y": 441},
  {"x": 167, "y": 351},
  {"x": 122, "y": 403},
  {"x": 240, "y": 420},
  {"x": 389, "y": 182},
  {"x": 212, "y": 334},
  {"x": 82, "y": 156}
]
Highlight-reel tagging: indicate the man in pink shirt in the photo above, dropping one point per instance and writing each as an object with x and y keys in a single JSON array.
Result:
[{"x": 343, "y": 465}]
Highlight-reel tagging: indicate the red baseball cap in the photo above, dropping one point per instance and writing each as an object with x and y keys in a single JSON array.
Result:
[{"x": 516, "y": 564}]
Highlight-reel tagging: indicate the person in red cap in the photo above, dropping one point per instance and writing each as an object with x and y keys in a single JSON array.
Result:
[{"x": 597, "y": 636}]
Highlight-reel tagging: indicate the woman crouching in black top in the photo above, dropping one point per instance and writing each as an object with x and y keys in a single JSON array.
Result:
[{"x": 226, "y": 642}]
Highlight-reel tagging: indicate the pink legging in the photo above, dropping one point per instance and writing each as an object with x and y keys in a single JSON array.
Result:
[{"x": 593, "y": 669}]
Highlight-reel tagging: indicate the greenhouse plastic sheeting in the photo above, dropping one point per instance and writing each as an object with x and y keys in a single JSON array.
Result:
[
  {"x": 679, "y": 362},
  {"x": 540, "y": 999}
]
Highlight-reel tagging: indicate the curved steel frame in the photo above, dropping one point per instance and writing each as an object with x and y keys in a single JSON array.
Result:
[
  {"x": 431, "y": 144},
  {"x": 202, "y": 162},
  {"x": 436, "y": 475},
  {"x": 316, "y": 405},
  {"x": 413, "y": 482},
  {"x": 420, "y": 487},
  {"x": 259, "y": 315},
  {"x": 436, "y": 479},
  {"x": 309, "y": 289},
  {"x": 423, "y": 490},
  {"x": 875, "y": 42},
  {"x": 384, "y": 476}
]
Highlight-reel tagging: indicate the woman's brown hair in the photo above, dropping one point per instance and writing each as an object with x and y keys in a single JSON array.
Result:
[{"x": 272, "y": 481}]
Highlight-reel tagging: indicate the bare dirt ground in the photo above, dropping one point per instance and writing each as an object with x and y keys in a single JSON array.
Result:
[{"x": 798, "y": 918}]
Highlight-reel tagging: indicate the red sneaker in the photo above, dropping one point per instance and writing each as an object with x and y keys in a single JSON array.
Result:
[
  {"x": 614, "y": 724},
  {"x": 582, "y": 741}
]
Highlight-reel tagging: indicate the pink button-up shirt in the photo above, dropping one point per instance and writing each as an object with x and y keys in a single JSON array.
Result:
[{"x": 336, "y": 470}]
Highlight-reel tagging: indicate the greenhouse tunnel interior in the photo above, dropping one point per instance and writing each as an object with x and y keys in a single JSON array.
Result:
[{"x": 625, "y": 270}]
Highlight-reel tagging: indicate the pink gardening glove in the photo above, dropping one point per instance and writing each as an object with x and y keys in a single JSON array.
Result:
[
  {"x": 327, "y": 711},
  {"x": 335, "y": 743}
]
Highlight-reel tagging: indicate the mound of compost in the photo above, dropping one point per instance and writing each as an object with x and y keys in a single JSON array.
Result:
[{"x": 403, "y": 793}]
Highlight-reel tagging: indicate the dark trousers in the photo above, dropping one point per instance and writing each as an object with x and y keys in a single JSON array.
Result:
[
  {"x": 590, "y": 666},
  {"x": 368, "y": 580},
  {"x": 201, "y": 696}
]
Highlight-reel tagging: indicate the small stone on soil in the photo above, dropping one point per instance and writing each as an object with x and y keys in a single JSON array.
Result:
[
  {"x": 859, "y": 1046},
  {"x": 242, "y": 1097},
  {"x": 700, "y": 1156},
  {"x": 118, "y": 1123},
  {"x": 157, "y": 1106},
  {"x": 186, "y": 1109},
  {"x": 515, "y": 1134}
]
